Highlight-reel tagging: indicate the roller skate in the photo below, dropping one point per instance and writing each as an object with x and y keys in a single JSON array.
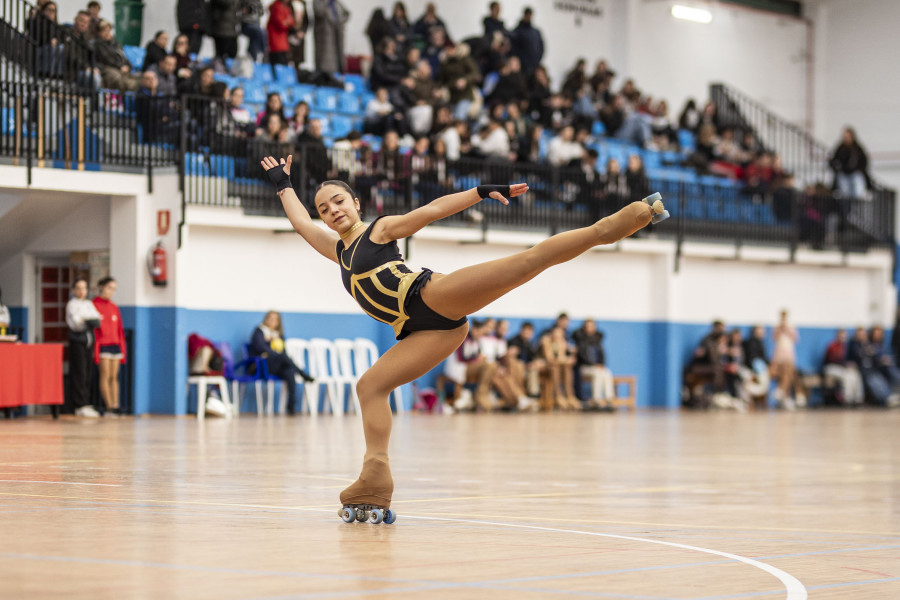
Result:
[
  {"x": 659, "y": 210},
  {"x": 369, "y": 497}
]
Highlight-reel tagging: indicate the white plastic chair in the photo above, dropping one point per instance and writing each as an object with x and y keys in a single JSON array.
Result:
[
  {"x": 202, "y": 381},
  {"x": 321, "y": 355},
  {"x": 365, "y": 355},
  {"x": 298, "y": 350},
  {"x": 343, "y": 366}
]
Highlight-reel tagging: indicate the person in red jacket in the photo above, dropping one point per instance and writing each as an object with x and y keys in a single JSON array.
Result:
[
  {"x": 109, "y": 345},
  {"x": 281, "y": 23}
]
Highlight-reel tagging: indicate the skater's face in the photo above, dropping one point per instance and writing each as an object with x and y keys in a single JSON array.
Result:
[{"x": 338, "y": 209}]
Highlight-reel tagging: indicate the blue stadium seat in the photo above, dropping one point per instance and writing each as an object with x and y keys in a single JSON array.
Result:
[
  {"x": 135, "y": 55},
  {"x": 686, "y": 140},
  {"x": 326, "y": 99},
  {"x": 226, "y": 79},
  {"x": 340, "y": 126},
  {"x": 350, "y": 103},
  {"x": 598, "y": 128},
  {"x": 354, "y": 82},
  {"x": 254, "y": 94},
  {"x": 195, "y": 164},
  {"x": 285, "y": 74},
  {"x": 8, "y": 118},
  {"x": 262, "y": 73},
  {"x": 304, "y": 92},
  {"x": 652, "y": 159},
  {"x": 280, "y": 89}
]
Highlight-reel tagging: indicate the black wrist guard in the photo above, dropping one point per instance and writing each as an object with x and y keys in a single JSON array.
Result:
[
  {"x": 277, "y": 176},
  {"x": 485, "y": 190}
]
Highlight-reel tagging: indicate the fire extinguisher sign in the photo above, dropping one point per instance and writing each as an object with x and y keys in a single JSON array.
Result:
[{"x": 163, "y": 219}]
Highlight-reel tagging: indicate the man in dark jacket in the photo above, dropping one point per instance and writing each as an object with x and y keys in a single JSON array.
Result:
[
  {"x": 310, "y": 145},
  {"x": 193, "y": 21},
  {"x": 527, "y": 43},
  {"x": 225, "y": 27},
  {"x": 114, "y": 65}
]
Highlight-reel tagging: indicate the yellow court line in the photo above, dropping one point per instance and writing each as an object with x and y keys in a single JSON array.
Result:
[{"x": 470, "y": 515}]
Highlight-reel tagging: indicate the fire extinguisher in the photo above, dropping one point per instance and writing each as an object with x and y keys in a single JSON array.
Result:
[{"x": 156, "y": 264}]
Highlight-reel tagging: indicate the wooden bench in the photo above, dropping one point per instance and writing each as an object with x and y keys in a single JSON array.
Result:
[{"x": 627, "y": 400}]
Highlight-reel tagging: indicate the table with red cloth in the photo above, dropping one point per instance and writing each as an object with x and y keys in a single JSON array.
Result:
[{"x": 31, "y": 374}]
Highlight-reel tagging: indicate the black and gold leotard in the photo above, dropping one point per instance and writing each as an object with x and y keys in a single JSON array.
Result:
[{"x": 385, "y": 288}]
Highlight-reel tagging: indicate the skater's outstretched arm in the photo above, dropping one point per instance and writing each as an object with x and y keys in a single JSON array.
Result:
[
  {"x": 400, "y": 226},
  {"x": 323, "y": 241}
]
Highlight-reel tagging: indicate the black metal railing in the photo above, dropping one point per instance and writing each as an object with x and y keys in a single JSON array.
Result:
[
  {"x": 801, "y": 154},
  {"x": 36, "y": 47}
]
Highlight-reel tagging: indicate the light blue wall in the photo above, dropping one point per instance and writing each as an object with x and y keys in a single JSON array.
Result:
[{"x": 655, "y": 352}]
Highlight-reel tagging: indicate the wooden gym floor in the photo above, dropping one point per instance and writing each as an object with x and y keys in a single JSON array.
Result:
[{"x": 647, "y": 507}]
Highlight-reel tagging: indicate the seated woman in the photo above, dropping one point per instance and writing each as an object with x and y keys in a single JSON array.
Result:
[{"x": 268, "y": 342}]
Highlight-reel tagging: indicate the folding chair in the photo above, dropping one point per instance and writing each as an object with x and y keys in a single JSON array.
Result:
[{"x": 365, "y": 355}]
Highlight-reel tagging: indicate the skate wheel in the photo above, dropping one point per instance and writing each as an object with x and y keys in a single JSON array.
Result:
[
  {"x": 348, "y": 514},
  {"x": 376, "y": 516},
  {"x": 660, "y": 217},
  {"x": 362, "y": 515},
  {"x": 389, "y": 517},
  {"x": 653, "y": 198}
]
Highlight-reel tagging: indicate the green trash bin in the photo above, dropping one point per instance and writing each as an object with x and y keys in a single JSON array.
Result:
[{"x": 129, "y": 21}]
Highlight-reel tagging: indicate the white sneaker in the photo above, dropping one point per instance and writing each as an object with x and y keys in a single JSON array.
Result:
[
  {"x": 465, "y": 401},
  {"x": 215, "y": 407},
  {"x": 446, "y": 409},
  {"x": 526, "y": 404},
  {"x": 88, "y": 412}
]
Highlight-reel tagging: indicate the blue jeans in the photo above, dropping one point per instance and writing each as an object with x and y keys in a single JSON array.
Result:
[
  {"x": 257, "y": 38},
  {"x": 851, "y": 185}
]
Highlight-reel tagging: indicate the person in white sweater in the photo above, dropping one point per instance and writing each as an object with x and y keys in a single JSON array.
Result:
[{"x": 82, "y": 318}]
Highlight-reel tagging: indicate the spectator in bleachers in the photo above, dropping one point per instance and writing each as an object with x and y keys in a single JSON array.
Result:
[
  {"x": 275, "y": 130},
  {"x": 274, "y": 105},
  {"x": 226, "y": 21},
  {"x": 380, "y": 113},
  {"x": 575, "y": 80},
  {"x": 735, "y": 371},
  {"x": 388, "y": 68},
  {"x": 664, "y": 135},
  {"x": 590, "y": 182},
  {"x": 297, "y": 39},
  {"x": 157, "y": 112},
  {"x": 457, "y": 139},
  {"x": 435, "y": 49},
  {"x": 591, "y": 363},
  {"x": 850, "y": 165},
  {"x": 181, "y": 51},
  {"x": 378, "y": 29},
  {"x": 690, "y": 116},
  {"x": 636, "y": 178},
  {"x": 602, "y": 74},
  {"x": 615, "y": 189},
  {"x": 784, "y": 361},
  {"x": 94, "y": 8},
  {"x": 114, "y": 65},
  {"x": 530, "y": 145},
  {"x": 527, "y": 43},
  {"x": 539, "y": 95},
  {"x": 156, "y": 49},
  {"x": 239, "y": 114},
  {"x": 331, "y": 17},
  {"x": 43, "y": 29},
  {"x": 847, "y": 382},
  {"x": 311, "y": 146},
  {"x": 267, "y": 342},
  {"x": 78, "y": 50},
  {"x": 524, "y": 360},
  {"x": 428, "y": 22},
  {"x": 251, "y": 11},
  {"x": 402, "y": 27},
  {"x": 750, "y": 146},
  {"x": 884, "y": 357},
  {"x": 563, "y": 148},
  {"x": 200, "y": 83},
  {"x": 165, "y": 74},
  {"x": 706, "y": 365},
  {"x": 613, "y": 115},
  {"x": 193, "y": 22},
  {"x": 511, "y": 85},
  {"x": 299, "y": 119},
  {"x": 492, "y": 142},
  {"x": 459, "y": 74},
  {"x": 493, "y": 23},
  {"x": 755, "y": 347},
  {"x": 630, "y": 93},
  {"x": 759, "y": 175},
  {"x": 863, "y": 354},
  {"x": 280, "y": 26}
]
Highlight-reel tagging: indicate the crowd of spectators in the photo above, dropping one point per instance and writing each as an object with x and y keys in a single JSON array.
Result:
[
  {"x": 729, "y": 370},
  {"x": 494, "y": 370}
]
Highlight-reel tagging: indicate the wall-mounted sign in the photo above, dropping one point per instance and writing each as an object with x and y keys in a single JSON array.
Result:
[{"x": 580, "y": 9}]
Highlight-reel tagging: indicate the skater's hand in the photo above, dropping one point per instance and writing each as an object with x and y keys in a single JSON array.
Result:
[
  {"x": 516, "y": 189},
  {"x": 279, "y": 177}
]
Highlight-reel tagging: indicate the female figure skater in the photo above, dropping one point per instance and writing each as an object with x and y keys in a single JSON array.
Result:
[{"x": 427, "y": 310}]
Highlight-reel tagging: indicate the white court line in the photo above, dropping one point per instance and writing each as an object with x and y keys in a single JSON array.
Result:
[
  {"x": 795, "y": 590},
  {"x": 59, "y": 482}
]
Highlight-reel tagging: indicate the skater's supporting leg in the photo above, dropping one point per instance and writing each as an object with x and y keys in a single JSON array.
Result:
[
  {"x": 467, "y": 290},
  {"x": 409, "y": 359}
]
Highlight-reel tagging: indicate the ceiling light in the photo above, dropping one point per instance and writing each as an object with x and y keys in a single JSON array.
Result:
[{"x": 689, "y": 13}]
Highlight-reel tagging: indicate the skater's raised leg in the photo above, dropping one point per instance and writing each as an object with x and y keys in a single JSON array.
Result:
[{"x": 470, "y": 289}]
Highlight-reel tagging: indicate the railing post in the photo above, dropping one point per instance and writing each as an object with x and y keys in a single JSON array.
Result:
[{"x": 795, "y": 226}]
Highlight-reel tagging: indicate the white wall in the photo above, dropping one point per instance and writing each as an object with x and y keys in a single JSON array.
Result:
[{"x": 859, "y": 80}]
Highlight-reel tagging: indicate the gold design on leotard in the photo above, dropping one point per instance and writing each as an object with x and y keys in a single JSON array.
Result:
[
  {"x": 405, "y": 281},
  {"x": 353, "y": 228}
]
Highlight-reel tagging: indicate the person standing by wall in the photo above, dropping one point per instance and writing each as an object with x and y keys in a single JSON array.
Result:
[
  {"x": 784, "y": 360},
  {"x": 4, "y": 316},
  {"x": 850, "y": 164},
  {"x": 109, "y": 345},
  {"x": 331, "y": 17},
  {"x": 82, "y": 319},
  {"x": 280, "y": 25},
  {"x": 193, "y": 21}
]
